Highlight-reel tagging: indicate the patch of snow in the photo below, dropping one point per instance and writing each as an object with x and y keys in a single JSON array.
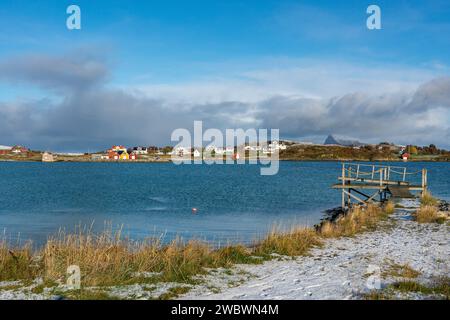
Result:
[{"x": 338, "y": 270}]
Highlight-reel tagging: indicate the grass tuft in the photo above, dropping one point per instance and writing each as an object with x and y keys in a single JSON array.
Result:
[
  {"x": 85, "y": 294},
  {"x": 389, "y": 208},
  {"x": 296, "y": 242},
  {"x": 402, "y": 271},
  {"x": 428, "y": 200},
  {"x": 174, "y": 292},
  {"x": 17, "y": 263},
  {"x": 358, "y": 219},
  {"x": 439, "y": 286},
  {"x": 429, "y": 214}
]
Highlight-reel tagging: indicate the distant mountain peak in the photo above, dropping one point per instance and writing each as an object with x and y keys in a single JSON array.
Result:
[{"x": 332, "y": 139}]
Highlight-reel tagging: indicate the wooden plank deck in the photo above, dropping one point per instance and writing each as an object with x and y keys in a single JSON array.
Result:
[
  {"x": 392, "y": 182},
  {"x": 373, "y": 186},
  {"x": 400, "y": 192}
]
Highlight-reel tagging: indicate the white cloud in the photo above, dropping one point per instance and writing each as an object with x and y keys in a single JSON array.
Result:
[
  {"x": 310, "y": 98},
  {"x": 298, "y": 78}
]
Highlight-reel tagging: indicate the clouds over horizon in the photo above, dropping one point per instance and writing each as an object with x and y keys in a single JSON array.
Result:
[
  {"x": 83, "y": 110},
  {"x": 61, "y": 74}
]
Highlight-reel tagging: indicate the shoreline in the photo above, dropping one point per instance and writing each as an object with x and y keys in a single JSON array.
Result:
[
  {"x": 344, "y": 268},
  {"x": 286, "y": 267},
  {"x": 286, "y": 160}
]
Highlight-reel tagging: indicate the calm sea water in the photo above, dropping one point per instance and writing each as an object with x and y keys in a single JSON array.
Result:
[{"x": 234, "y": 202}]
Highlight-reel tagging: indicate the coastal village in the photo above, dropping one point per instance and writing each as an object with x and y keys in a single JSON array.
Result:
[{"x": 333, "y": 148}]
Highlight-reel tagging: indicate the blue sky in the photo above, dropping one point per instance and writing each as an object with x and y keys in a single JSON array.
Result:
[
  {"x": 231, "y": 51},
  {"x": 166, "y": 40}
]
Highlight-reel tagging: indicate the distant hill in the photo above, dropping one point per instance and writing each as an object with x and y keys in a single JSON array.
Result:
[{"x": 331, "y": 139}]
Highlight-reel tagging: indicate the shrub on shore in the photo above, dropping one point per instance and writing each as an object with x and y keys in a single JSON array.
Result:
[
  {"x": 358, "y": 219},
  {"x": 429, "y": 214},
  {"x": 428, "y": 200},
  {"x": 389, "y": 208},
  {"x": 296, "y": 242},
  {"x": 429, "y": 210},
  {"x": 17, "y": 263}
]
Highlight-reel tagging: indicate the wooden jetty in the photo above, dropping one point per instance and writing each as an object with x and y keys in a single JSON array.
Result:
[{"x": 364, "y": 183}]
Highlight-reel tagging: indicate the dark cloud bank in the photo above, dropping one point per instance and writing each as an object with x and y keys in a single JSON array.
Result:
[{"x": 89, "y": 114}]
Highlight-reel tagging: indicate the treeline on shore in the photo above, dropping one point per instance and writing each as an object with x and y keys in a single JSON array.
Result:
[{"x": 363, "y": 153}]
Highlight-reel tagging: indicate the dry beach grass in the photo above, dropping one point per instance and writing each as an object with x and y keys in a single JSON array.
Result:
[
  {"x": 108, "y": 259},
  {"x": 429, "y": 210},
  {"x": 357, "y": 220}
]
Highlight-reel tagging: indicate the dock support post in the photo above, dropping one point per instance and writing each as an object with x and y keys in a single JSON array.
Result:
[
  {"x": 343, "y": 186},
  {"x": 381, "y": 178},
  {"x": 424, "y": 181}
]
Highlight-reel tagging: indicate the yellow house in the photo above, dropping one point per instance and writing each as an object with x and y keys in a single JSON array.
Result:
[{"x": 124, "y": 156}]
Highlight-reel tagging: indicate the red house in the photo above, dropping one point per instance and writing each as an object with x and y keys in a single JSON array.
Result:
[
  {"x": 19, "y": 149},
  {"x": 112, "y": 155},
  {"x": 405, "y": 156}
]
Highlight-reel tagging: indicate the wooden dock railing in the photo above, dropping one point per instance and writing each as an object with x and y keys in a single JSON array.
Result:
[{"x": 386, "y": 180}]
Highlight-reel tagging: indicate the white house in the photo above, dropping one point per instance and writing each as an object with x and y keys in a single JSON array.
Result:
[
  {"x": 219, "y": 150},
  {"x": 140, "y": 150},
  {"x": 275, "y": 145},
  {"x": 252, "y": 148},
  {"x": 181, "y": 151},
  {"x": 197, "y": 153}
]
